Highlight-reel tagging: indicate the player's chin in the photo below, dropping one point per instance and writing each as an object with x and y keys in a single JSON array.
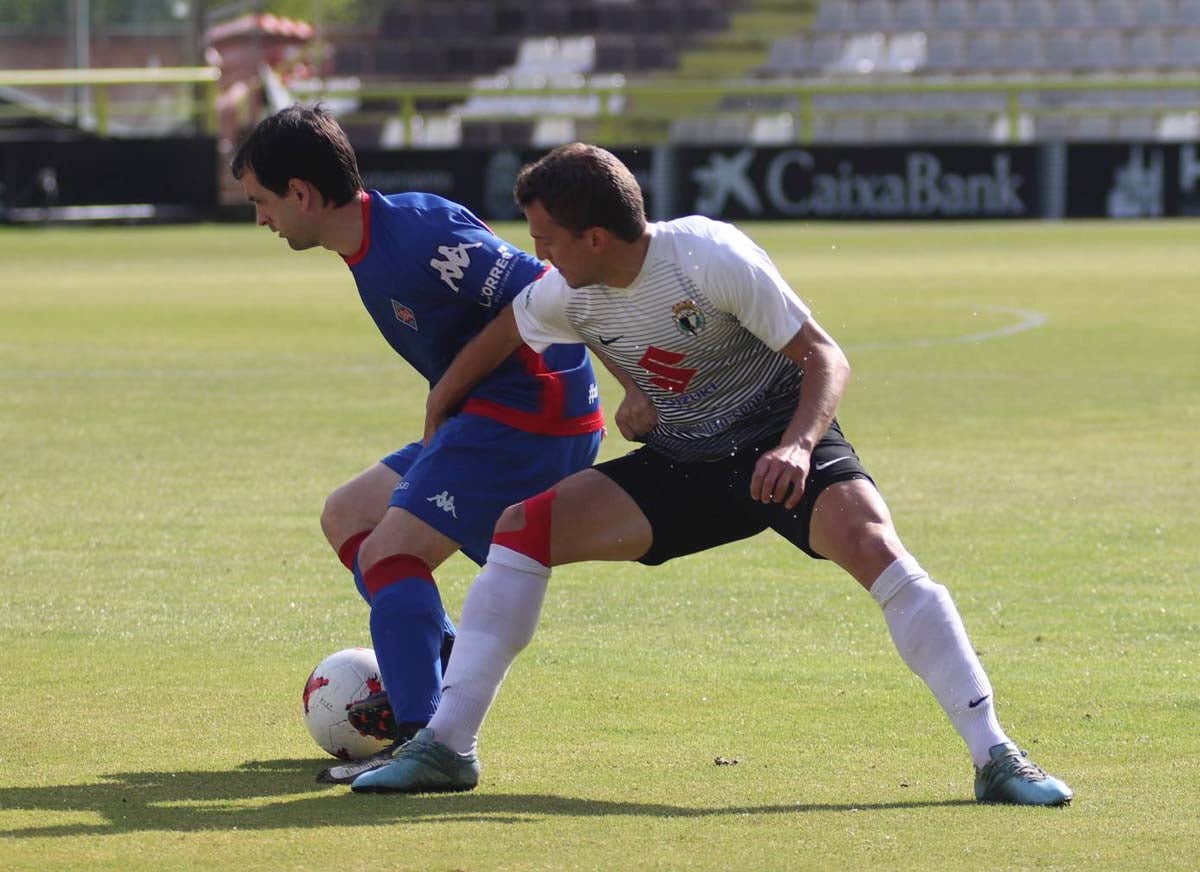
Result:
[{"x": 299, "y": 244}]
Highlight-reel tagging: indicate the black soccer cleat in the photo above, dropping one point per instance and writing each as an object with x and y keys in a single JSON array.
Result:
[{"x": 373, "y": 716}]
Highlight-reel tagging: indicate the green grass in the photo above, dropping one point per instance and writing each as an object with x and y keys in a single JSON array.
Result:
[{"x": 176, "y": 402}]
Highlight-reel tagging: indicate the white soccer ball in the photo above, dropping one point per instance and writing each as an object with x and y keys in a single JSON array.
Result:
[{"x": 339, "y": 681}]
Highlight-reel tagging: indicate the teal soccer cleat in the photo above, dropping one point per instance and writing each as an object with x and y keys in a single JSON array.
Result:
[
  {"x": 1013, "y": 778},
  {"x": 423, "y": 765}
]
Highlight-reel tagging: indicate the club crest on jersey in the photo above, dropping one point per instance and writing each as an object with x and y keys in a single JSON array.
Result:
[
  {"x": 689, "y": 320},
  {"x": 404, "y": 315}
]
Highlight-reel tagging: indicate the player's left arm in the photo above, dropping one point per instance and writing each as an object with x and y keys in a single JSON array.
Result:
[
  {"x": 780, "y": 473},
  {"x": 475, "y": 360}
]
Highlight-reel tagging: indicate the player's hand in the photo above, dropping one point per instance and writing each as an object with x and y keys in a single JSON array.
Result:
[
  {"x": 636, "y": 416},
  {"x": 780, "y": 474},
  {"x": 435, "y": 416}
]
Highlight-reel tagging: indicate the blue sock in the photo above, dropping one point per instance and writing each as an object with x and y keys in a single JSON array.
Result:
[
  {"x": 408, "y": 631},
  {"x": 360, "y": 584}
]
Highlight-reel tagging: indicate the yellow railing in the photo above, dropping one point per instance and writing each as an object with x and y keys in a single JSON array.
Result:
[{"x": 202, "y": 106}]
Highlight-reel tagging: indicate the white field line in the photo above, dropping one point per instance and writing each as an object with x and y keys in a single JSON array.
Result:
[{"x": 1027, "y": 319}]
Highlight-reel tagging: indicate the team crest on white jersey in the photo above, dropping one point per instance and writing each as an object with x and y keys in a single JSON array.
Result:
[
  {"x": 456, "y": 260},
  {"x": 688, "y": 318},
  {"x": 404, "y": 314},
  {"x": 443, "y": 501}
]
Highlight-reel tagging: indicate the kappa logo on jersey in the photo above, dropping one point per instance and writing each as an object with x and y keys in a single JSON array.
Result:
[
  {"x": 456, "y": 261},
  {"x": 443, "y": 501},
  {"x": 689, "y": 320},
  {"x": 404, "y": 315},
  {"x": 668, "y": 375}
]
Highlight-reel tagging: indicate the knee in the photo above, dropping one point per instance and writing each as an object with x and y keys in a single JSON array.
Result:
[
  {"x": 334, "y": 517},
  {"x": 511, "y": 519},
  {"x": 864, "y": 550}
]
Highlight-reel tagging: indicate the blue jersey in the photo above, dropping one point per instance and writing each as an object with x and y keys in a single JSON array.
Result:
[{"x": 432, "y": 275}]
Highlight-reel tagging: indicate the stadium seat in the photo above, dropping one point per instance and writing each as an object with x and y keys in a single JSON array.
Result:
[
  {"x": 1091, "y": 127},
  {"x": 993, "y": 14},
  {"x": 945, "y": 52},
  {"x": 835, "y": 15},
  {"x": 985, "y": 52},
  {"x": 952, "y": 15},
  {"x": 1135, "y": 127},
  {"x": 791, "y": 56},
  {"x": 873, "y": 15},
  {"x": 1105, "y": 50},
  {"x": 890, "y": 128},
  {"x": 913, "y": 15},
  {"x": 1178, "y": 127},
  {"x": 1187, "y": 13},
  {"x": 1113, "y": 13},
  {"x": 905, "y": 52},
  {"x": 779, "y": 129},
  {"x": 1185, "y": 50},
  {"x": 1152, "y": 13},
  {"x": 826, "y": 50},
  {"x": 1147, "y": 49},
  {"x": 1025, "y": 50},
  {"x": 1064, "y": 50},
  {"x": 862, "y": 53},
  {"x": 1032, "y": 14},
  {"x": 551, "y": 132},
  {"x": 1072, "y": 13}
]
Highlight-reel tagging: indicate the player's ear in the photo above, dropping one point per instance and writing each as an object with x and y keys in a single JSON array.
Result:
[
  {"x": 597, "y": 238},
  {"x": 306, "y": 195}
]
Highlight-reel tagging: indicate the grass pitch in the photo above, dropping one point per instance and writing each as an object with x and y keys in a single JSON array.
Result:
[{"x": 176, "y": 402}]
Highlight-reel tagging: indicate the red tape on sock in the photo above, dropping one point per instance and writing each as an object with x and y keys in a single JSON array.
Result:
[
  {"x": 532, "y": 540},
  {"x": 396, "y": 568},
  {"x": 349, "y": 550}
]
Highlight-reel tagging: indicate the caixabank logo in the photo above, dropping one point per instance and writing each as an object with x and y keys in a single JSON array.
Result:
[{"x": 900, "y": 183}]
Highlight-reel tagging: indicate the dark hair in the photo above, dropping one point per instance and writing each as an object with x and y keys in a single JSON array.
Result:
[
  {"x": 583, "y": 186},
  {"x": 301, "y": 143}
]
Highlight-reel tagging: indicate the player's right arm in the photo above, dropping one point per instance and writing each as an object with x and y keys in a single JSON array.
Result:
[
  {"x": 636, "y": 416},
  {"x": 473, "y": 363}
]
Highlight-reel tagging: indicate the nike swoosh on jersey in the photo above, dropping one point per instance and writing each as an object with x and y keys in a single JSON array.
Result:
[{"x": 604, "y": 341}]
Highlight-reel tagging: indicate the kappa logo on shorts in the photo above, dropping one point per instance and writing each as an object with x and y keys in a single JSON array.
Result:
[
  {"x": 444, "y": 501},
  {"x": 456, "y": 260}
]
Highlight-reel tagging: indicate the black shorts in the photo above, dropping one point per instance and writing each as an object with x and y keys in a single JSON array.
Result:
[{"x": 699, "y": 505}]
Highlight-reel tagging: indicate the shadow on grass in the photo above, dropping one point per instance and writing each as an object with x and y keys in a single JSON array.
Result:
[{"x": 278, "y": 794}]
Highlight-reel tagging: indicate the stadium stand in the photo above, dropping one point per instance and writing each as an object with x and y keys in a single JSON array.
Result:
[
  {"x": 1008, "y": 41},
  {"x": 556, "y": 45}
]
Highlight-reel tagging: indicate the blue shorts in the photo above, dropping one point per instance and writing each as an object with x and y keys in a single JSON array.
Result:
[{"x": 474, "y": 468}]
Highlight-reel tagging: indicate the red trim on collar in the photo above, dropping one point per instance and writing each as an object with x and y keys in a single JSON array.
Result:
[{"x": 357, "y": 257}]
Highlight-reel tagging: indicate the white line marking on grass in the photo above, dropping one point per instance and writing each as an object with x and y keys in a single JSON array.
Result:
[{"x": 1028, "y": 320}]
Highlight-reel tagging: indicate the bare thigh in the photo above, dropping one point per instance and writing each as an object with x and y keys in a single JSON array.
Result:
[
  {"x": 592, "y": 518},
  {"x": 359, "y": 504},
  {"x": 851, "y": 526},
  {"x": 400, "y": 532}
]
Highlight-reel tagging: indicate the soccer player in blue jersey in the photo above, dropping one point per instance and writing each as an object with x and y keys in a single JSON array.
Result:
[{"x": 431, "y": 275}]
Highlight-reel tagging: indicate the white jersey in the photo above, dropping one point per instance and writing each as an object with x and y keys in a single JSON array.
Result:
[{"x": 699, "y": 331}]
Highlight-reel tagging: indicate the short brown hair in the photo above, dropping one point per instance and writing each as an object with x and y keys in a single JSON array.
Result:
[
  {"x": 301, "y": 142},
  {"x": 583, "y": 186}
]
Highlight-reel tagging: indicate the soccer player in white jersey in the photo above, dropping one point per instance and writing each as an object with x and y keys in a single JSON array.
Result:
[{"x": 733, "y": 385}]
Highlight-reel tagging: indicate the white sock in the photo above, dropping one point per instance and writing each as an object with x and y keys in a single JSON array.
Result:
[
  {"x": 498, "y": 619},
  {"x": 929, "y": 634}
]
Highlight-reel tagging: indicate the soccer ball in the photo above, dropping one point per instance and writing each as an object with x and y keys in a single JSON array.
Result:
[{"x": 339, "y": 681}]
